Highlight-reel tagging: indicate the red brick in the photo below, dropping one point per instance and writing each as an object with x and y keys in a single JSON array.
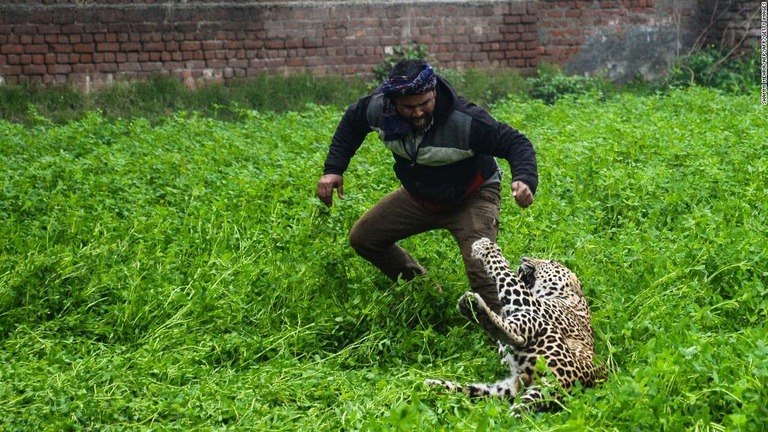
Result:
[
  {"x": 152, "y": 66},
  {"x": 153, "y": 46},
  {"x": 59, "y": 69},
  {"x": 34, "y": 69},
  {"x": 107, "y": 68},
  {"x": 189, "y": 46},
  {"x": 11, "y": 70},
  {"x": 195, "y": 65},
  {"x": 212, "y": 45},
  {"x": 48, "y": 29},
  {"x": 130, "y": 47},
  {"x": 24, "y": 29},
  {"x": 82, "y": 68},
  {"x": 36, "y": 49},
  {"x": 216, "y": 63},
  {"x": 293, "y": 43},
  {"x": 62, "y": 48},
  {"x": 11, "y": 49},
  {"x": 129, "y": 67},
  {"x": 112, "y": 46},
  {"x": 84, "y": 47},
  {"x": 274, "y": 44}
]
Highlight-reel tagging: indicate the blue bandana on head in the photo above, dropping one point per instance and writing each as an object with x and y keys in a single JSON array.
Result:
[{"x": 393, "y": 126}]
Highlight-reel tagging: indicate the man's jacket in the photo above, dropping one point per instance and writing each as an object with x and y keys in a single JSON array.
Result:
[{"x": 456, "y": 155}]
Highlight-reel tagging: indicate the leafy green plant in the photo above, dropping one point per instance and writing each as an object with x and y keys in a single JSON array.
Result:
[
  {"x": 485, "y": 88},
  {"x": 551, "y": 83},
  {"x": 717, "y": 67},
  {"x": 399, "y": 53},
  {"x": 161, "y": 96}
]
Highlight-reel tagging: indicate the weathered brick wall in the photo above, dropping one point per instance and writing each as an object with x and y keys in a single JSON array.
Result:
[
  {"x": 620, "y": 39},
  {"x": 92, "y": 43},
  {"x": 733, "y": 23}
]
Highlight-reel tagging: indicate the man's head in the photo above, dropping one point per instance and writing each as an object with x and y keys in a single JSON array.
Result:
[{"x": 411, "y": 89}]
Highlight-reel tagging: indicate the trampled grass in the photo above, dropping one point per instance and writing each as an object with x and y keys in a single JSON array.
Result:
[{"x": 180, "y": 274}]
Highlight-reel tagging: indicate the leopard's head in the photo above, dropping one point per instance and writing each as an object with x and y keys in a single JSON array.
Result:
[{"x": 547, "y": 274}]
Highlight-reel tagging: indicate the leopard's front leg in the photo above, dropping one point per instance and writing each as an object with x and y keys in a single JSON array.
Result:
[{"x": 473, "y": 308}]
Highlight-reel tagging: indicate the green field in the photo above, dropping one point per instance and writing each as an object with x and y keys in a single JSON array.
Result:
[{"x": 178, "y": 273}]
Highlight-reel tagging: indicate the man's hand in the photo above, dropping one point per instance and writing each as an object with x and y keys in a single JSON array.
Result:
[
  {"x": 326, "y": 185},
  {"x": 522, "y": 194}
]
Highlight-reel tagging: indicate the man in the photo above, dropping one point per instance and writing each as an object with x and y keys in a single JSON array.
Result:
[{"x": 444, "y": 148}]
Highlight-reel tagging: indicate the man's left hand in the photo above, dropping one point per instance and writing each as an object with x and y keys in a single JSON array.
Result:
[{"x": 522, "y": 193}]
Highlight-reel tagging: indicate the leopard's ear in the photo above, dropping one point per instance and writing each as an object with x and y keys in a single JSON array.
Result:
[
  {"x": 527, "y": 265},
  {"x": 527, "y": 272}
]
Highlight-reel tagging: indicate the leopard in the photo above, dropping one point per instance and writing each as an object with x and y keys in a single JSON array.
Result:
[{"x": 545, "y": 319}]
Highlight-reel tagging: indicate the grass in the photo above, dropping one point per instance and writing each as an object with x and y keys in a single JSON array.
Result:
[
  {"x": 178, "y": 273},
  {"x": 162, "y": 96}
]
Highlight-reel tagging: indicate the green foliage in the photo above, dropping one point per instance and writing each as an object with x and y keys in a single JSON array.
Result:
[
  {"x": 488, "y": 87},
  {"x": 550, "y": 84},
  {"x": 713, "y": 66},
  {"x": 180, "y": 274},
  {"x": 161, "y": 96},
  {"x": 399, "y": 53}
]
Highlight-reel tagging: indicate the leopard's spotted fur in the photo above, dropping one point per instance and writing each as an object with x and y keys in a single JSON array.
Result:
[{"x": 544, "y": 314}]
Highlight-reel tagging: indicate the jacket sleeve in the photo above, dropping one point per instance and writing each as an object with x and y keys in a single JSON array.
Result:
[
  {"x": 498, "y": 139},
  {"x": 349, "y": 135}
]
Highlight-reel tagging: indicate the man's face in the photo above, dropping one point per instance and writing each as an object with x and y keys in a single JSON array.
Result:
[{"x": 416, "y": 109}]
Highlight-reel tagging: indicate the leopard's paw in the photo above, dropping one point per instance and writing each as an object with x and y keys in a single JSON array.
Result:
[
  {"x": 434, "y": 382},
  {"x": 471, "y": 305},
  {"x": 447, "y": 385}
]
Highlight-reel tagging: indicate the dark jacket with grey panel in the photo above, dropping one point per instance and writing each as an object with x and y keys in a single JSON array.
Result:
[{"x": 455, "y": 156}]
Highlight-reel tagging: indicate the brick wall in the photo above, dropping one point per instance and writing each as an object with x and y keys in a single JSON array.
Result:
[
  {"x": 92, "y": 43},
  {"x": 733, "y": 23},
  {"x": 619, "y": 39}
]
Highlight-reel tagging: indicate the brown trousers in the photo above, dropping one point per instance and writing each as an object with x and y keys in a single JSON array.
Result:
[{"x": 398, "y": 216}]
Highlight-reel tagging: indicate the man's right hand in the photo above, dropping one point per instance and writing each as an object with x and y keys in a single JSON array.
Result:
[{"x": 326, "y": 185}]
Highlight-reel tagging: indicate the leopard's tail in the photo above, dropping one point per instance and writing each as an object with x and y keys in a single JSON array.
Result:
[{"x": 506, "y": 388}]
